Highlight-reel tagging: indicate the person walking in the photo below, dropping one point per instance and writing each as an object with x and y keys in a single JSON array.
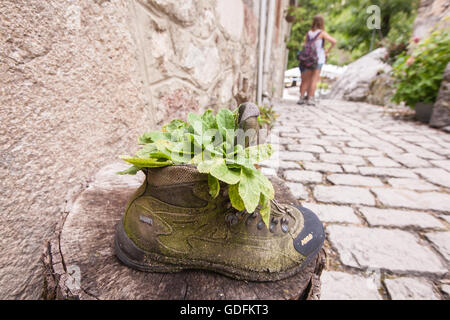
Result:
[{"x": 312, "y": 57}]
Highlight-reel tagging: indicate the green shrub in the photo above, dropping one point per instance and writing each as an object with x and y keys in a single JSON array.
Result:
[{"x": 418, "y": 76}]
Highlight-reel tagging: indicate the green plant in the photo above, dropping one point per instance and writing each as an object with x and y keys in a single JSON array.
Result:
[
  {"x": 208, "y": 141},
  {"x": 418, "y": 76},
  {"x": 267, "y": 116}
]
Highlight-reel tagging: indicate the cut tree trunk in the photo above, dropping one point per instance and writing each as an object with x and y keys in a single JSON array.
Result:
[{"x": 80, "y": 263}]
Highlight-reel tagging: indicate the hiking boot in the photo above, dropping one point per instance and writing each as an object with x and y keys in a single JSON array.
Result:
[{"x": 172, "y": 224}]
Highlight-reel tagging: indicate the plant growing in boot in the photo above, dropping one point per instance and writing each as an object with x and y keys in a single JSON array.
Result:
[
  {"x": 216, "y": 145},
  {"x": 204, "y": 205}
]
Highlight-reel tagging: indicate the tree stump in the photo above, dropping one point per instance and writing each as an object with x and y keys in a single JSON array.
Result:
[{"x": 80, "y": 262}]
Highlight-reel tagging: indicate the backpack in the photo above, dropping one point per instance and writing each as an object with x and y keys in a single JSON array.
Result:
[{"x": 308, "y": 56}]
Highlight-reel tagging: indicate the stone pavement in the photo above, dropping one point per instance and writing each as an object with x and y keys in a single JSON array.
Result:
[{"x": 381, "y": 186}]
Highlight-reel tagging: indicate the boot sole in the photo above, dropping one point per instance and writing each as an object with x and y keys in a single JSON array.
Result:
[{"x": 134, "y": 257}]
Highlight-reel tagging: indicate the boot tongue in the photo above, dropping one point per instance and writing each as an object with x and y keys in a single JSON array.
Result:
[
  {"x": 247, "y": 110},
  {"x": 248, "y": 124},
  {"x": 174, "y": 174}
]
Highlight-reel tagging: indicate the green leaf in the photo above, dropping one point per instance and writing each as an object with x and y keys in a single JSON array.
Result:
[
  {"x": 196, "y": 122},
  {"x": 259, "y": 152},
  {"x": 160, "y": 155},
  {"x": 207, "y": 165},
  {"x": 223, "y": 173},
  {"x": 225, "y": 121},
  {"x": 209, "y": 120},
  {"x": 249, "y": 190},
  {"x": 264, "y": 184},
  {"x": 265, "y": 209},
  {"x": 235, "y": 198},
  {"x": 131, "y": 170},
  {"x": 214, "y": 186},
  {"x": 174, "y": 125},
  {"x": 146, "y": 162},
  {"x": 153, "y": 136}
]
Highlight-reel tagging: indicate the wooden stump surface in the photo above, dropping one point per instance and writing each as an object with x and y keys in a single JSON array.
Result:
[{"x": 80, "y": 263}]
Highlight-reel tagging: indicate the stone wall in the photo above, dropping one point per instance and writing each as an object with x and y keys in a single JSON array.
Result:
[
  {"x": 431, "y": 14},
  {"x": 81, "y": 80},
  {"x": 440, "y": 117}
]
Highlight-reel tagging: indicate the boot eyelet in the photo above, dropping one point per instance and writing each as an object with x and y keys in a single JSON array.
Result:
[
  {"x": 272, "y": 227},
  {"x": 260, "y": 225}
]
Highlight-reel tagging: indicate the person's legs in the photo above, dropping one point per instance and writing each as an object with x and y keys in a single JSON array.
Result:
[
  {"x": 315, "y": 77},
  {"x": 306, "y": 80}
]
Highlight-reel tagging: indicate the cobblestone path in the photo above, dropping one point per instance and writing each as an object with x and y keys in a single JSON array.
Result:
[{"x": 381, "y": 187}]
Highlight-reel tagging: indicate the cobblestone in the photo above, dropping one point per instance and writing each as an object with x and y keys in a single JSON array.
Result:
[
  {"x": 410, "y": 160},
  {"x": 296, "y": 156},
  {"x": 343, "y": 195},
  {"x": 410, "y": 289},
  {"x": 344, "y": 286},
  {"x": 411, "y": 199},
  {"x": 322, "y": 166},
  {"x": 381, "y": 186},
  {"x": 399, "y": 218},
  {"x": 383, "y": 162},
  {"x": 332, "y": 213},
  {"x": 305, "y": 148},
  {"x": 354, "y": 180},
  {"x": 441, "y": 241},
  {"x": 298, "y": 190},
  {"x": 303, "y": 176},
  {"x": 390, "y": 172},
  {"x": 394, "y": 250},
  {"x": 444, "y": 164},
  {"x": 340, "y": 158},
  {"x": 436, "y": 176},
  {"x": 412, "y": 184}
]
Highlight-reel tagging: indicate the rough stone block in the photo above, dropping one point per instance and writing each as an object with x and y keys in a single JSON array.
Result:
[
  {"x": 412, "y": 184},
  {"x": 383, "y": 162},
  {"x": 338, "y": 285},
  {"x": 414, "y": 200},
  {"x": 394, "y": 250},
  {"x": 296, "y": 156},
  {"x": 390, "y": 172},
  {"x": 410, "y": 289},
  {"x": 437, "y": 176},
  {"x": 354, "y": 180},
  {"x": 298, "y": 190},
  {"x": 441, "y": 241},
  {"x": 343, "y": 195},
  {"x": 342, "y": 158},
  {"x": 303, "y": 176},
  {"x": 322, "y": 166},
  {"x": 332, "y": 213},
  {"x": 399, "y": 218}
]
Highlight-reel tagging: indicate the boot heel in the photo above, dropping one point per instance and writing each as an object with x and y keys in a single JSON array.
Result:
[{"x": 132, "y": 256}]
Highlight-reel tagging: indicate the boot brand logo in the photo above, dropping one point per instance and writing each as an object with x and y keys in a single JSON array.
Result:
[{"x": 306, "y": 239}]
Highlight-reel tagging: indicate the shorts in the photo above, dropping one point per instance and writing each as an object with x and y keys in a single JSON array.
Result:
[{"x": 316, "y": 67}]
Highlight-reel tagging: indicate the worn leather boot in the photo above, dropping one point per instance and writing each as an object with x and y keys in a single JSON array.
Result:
[{"x": 172, "y": 224}]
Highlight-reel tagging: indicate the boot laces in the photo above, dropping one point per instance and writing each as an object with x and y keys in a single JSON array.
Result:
[{"x": 278, "y": 213}]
